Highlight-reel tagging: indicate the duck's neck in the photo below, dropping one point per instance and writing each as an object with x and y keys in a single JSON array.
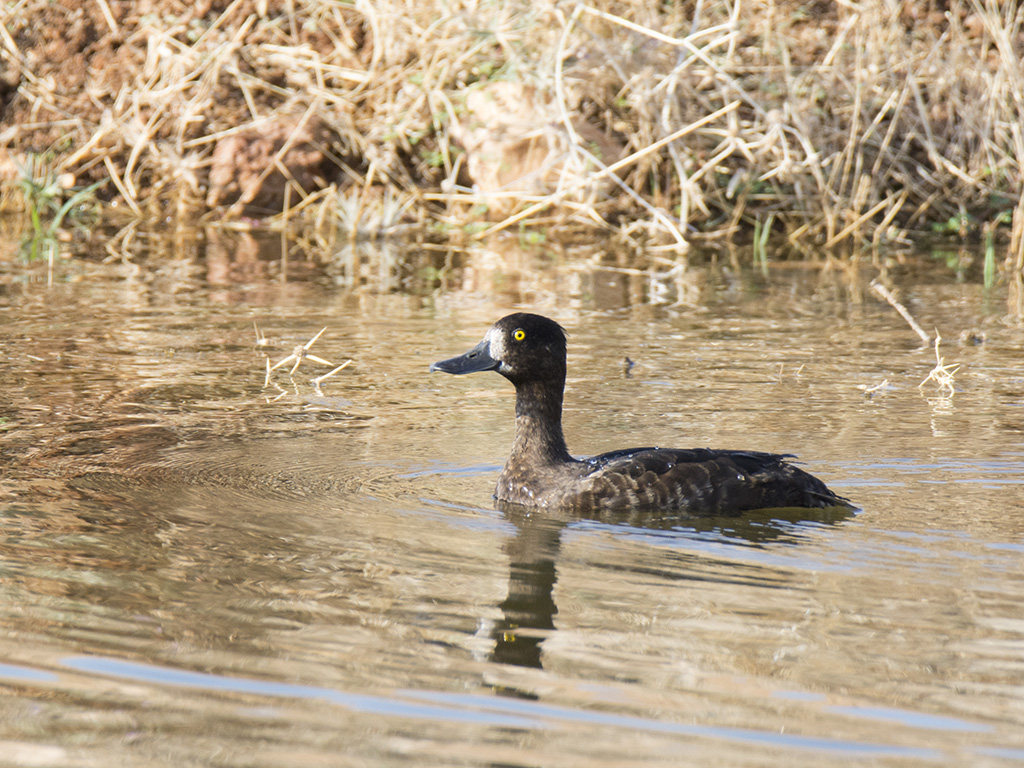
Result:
[{"x": 539, "y": 438}]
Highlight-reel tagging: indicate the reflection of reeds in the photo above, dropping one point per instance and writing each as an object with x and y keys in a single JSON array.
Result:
[{"x": 851, "y": 125}]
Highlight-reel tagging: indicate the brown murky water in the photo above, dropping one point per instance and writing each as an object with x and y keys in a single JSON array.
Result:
[{"x": 199, "y": 569}]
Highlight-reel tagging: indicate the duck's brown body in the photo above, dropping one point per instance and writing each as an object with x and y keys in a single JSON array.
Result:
[
  {"x": 529, "y": 350},
  {"x": 699, "y": 481}
]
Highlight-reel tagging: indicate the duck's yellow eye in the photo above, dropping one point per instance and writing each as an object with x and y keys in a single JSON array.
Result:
[{"x": 518, "y": 334}]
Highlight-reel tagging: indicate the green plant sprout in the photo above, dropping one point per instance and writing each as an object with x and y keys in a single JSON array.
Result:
[{"x": 43, "y": 190}]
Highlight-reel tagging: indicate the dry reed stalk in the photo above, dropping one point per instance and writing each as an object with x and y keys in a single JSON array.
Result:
[
  {"x": 855, "y": 225},
  {"x": 883, "y": 225},
  {"x": 1015, "y": 254},
  {"x": 886, "y": 294}
]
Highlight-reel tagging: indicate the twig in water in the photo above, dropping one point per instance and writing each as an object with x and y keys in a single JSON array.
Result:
[
  {"x": 869, "y": 392},
  {"x": 795, "y": 374},
  {"x": 886, "y": 294},
  {"x": 318, "y": 379},
  {"x": 261, "y": 339},
  {"x": 941, "y": 374},
  {"x": 300, "y": 353}
]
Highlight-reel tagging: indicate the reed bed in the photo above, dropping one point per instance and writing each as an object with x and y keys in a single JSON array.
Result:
[{"x": 840, "y": 125}]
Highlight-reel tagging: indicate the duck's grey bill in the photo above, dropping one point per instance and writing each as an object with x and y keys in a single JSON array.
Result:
[{"x": 477, "y": 359}]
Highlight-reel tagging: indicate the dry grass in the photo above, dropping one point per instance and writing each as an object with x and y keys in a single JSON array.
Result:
[{"x": 842, "y": 125}]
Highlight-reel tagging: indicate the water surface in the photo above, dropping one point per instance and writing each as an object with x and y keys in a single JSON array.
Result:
[{"x": 201, "y": 569}]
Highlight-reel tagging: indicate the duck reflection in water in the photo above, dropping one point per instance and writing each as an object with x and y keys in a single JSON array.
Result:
[
  {"x": 529, "y": 609},
  {"x": 542, "y": 487}
]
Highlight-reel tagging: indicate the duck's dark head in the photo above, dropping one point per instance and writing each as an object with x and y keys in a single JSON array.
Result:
[{"x": 521, "y": 347}]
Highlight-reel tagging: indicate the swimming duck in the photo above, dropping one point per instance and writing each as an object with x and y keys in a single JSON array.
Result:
[{"x": 529, "y": 350}]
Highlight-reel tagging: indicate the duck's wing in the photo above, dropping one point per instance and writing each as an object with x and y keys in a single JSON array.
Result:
[{"x": 698, "y": 481}]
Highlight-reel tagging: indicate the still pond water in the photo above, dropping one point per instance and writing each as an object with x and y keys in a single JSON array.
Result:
[{"x": 203, "y": 569}]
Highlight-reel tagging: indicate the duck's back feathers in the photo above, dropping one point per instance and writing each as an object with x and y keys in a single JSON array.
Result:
[{"x": 696, "y": 481}]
